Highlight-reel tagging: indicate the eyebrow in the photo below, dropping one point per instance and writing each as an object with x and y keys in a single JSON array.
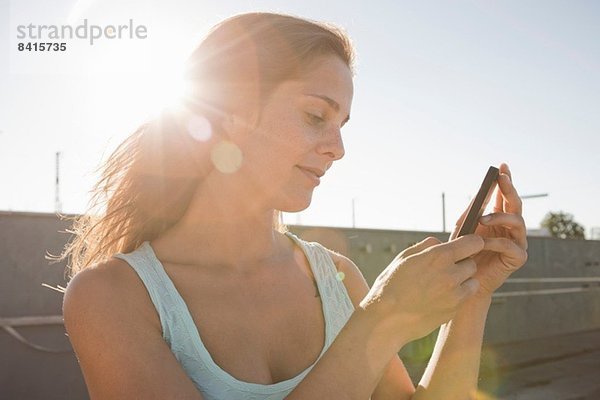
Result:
[{"x": 332, "y": 103}]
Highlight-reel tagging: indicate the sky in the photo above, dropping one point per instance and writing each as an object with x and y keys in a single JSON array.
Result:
[{"x": 443, "y": 89}]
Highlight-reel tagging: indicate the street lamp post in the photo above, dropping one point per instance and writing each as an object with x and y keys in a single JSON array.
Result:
[
  {"x": 353, "y": 214},
  {"x": 533, "y": 196},
  {"x": 443, "y": 212}
]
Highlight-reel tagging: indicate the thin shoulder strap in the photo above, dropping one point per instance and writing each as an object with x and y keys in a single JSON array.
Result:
[
  {"x": 156, "y": 281},
  {"x": 333, "y": 283},
  {"x": 330, "y": 283}
]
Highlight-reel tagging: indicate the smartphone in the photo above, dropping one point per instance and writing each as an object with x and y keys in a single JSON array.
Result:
[{"x": 478, "y": 204}]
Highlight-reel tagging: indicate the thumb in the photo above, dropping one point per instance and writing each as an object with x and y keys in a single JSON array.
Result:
[{"x": 419, "y": 247}]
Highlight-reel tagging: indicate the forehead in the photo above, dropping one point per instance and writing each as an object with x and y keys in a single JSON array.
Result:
[{"x": 327, "y": 76}]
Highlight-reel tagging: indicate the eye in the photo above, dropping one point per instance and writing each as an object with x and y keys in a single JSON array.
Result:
[{"x": 314, "y": 119}]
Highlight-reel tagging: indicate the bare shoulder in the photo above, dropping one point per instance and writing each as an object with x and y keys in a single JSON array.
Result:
[
  {"x": 103, "y": 287},
  {"x": 105, "y": 273},
  {"x": 117, "y": 340},
  {"x": 90, "y": 285},
  {"x": 107, "y": 297},
  {"x": 353, "y": 279}
]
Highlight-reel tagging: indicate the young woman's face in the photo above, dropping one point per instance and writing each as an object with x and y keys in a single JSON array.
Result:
[{"x": 299, "y": 129}]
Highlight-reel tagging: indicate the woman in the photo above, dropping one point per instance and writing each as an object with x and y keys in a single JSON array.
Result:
[{"x": 187, "y": 286}]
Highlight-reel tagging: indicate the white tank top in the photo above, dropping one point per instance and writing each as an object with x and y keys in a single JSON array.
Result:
[{"x": 181, "y": 334}]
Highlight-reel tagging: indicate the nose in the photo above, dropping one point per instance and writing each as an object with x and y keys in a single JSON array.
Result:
[{"x": 332, "y": 145}]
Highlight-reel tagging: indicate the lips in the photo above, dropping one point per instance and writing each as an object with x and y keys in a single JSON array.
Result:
[
  {"x": 319, "y": 173},
  {"x": 312, "y": 173}
]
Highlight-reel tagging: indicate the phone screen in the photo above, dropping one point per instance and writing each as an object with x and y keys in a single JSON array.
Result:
[{"x": 479, "y": 203}]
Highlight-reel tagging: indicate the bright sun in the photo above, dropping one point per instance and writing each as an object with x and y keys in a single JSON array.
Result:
[{"x": 144, "y": 75}]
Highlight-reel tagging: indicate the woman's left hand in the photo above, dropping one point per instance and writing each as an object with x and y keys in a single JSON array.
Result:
[{"x": 505, "y": 236}]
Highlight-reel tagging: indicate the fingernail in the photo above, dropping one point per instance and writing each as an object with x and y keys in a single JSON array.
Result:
[{"x": 485, "y": 218}]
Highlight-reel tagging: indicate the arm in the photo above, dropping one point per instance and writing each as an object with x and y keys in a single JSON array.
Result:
[
  {"x": 395, "y": 382},
  {"x": 120, "y": 348},
  {"x": 454, "y": 365},
  {"x": 453, "y": 369}
]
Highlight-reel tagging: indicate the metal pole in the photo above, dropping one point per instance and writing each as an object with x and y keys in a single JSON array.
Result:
[
  {"x": 353, "y": 214},
  {"x": 57, "y": 205},
  {"x": 443, "y": 212},
  {"x": 533, "y": 196}
]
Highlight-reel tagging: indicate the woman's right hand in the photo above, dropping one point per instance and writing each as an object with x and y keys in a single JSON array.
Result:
[{"x": 424, "y": 286}]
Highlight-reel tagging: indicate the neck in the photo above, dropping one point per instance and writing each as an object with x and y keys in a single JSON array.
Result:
[{"x": 223, "y": 229}]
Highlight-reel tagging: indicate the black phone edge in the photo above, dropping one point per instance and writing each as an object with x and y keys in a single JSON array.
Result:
[{"x": 475, "y": 209}]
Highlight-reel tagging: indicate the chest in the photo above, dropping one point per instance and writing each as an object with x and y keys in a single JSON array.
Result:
[{"x": 263, "y": 329}]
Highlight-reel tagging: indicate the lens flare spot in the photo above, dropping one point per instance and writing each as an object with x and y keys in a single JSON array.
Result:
[
  {"x": 199, "y": 128},
  {"x": 491, "y": 362},
  {"x": 340, "y": 276},
  {"x": 226, "y": 157}
]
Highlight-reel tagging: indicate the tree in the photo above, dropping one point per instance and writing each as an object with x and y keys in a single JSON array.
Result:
[{"x": 561, "y": 225}]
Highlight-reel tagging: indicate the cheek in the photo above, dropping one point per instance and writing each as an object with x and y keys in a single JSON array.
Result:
[{"x": 291, "y": 136}]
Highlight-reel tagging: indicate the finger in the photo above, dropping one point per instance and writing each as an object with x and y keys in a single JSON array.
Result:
[
  {"x": 455, "y": 250},
  {"x": 463, "y": 270},
  {"x": 512, "y": 201},
  {"x": 505, "y": 169},
  {"x": 499, "y": 204},
  {"x": 505, "y": 219},
  {"x": 512, "y": 255},
  {"x": 514, "y": 222},
  {"x": 468, "y": 288},
  {"x": 419, "y": 247}
]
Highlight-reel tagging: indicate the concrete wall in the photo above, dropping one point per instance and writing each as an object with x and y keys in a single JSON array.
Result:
[
  {"x": 26, "y": 373},
  {"x": 526, "y": 317}
]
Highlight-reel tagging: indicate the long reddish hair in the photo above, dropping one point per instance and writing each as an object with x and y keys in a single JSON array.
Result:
[{"x": 147, "y": 183}]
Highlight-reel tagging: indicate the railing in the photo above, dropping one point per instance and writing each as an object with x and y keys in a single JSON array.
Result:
[
  {"x": 8, "y": 325},
  {"x": 589, "y": 283},
  {"x": 28, "y": 321}
]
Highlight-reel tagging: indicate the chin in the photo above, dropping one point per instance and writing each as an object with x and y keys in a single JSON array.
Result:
[{"x": 295, "y": 204}]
